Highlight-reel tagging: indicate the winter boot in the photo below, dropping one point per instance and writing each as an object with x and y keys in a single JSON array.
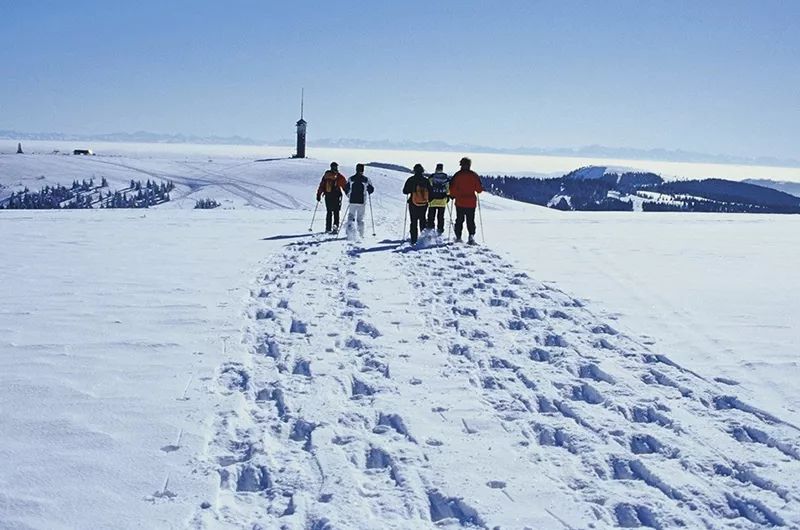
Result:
[{"x": 471, "y": 241}]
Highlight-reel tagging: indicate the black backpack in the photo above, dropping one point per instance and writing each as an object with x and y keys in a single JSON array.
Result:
[{"x": 439, "y": 183}]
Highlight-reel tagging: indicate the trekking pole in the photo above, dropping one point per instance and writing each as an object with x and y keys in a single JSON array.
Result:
[
  {"x": 405, "y": 213},
  {"x": 343, "y": 221},
  {"x": 311, "y": 228},
  {"x": 371, "y": 215},
  {"x": 450, "y": 216},
  {"x": 480, "y": 217}
]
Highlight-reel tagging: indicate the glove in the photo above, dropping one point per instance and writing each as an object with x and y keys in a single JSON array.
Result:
[{"x": 318, "y": 198}]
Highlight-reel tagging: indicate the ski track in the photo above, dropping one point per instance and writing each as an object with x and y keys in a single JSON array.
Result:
[{"x": 386, "y": 387}]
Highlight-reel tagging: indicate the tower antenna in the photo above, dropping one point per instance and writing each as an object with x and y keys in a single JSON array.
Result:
[{"x": 302, "y": 97}]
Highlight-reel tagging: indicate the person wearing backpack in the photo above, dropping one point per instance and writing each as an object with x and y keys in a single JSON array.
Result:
[
  {"x": 331, "y": 186},
  {"x": 464, "y": 187},
  {"x": 357, "y": 188},
  {"x": 440, "y": 194},
  {"x": 418, "y": 189}
]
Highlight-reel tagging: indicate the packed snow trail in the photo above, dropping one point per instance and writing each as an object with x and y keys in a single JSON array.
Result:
[{"x": 391, "y": 387}]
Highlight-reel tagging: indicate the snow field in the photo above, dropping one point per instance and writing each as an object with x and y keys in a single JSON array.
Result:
[
  {"x": 229, "y": 369},
  {"x": 443, "y": 386},
  {"x": 110, "y": 324}
]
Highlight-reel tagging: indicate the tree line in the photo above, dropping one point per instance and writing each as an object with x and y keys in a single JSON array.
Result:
[{"x": 84, "y": 194}]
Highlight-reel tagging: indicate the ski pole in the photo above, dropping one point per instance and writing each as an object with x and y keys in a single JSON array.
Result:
[
  {"x": 405, "y": 214},
  {"x": 371, "y": 215},
  {"x": 311, "y": 228},
  {"x": 480, "y": 217},
  {"x": 344, "y": 220},
  {"x": 450, "y": 216}
]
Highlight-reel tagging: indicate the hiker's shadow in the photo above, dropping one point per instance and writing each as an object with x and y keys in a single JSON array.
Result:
[
  {"x": 283, "y": 237},
  {"x": 387, "y": 245}
]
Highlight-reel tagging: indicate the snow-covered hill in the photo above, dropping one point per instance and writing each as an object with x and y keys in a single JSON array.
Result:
[
  {"x": 235, "y": 182},
  {"x": 230, "y": 369}
]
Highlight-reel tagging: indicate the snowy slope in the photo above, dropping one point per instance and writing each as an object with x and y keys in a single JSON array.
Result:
[
  {"x": 235, "y": 182},
  {"x": 229, "y": 369},
  {"x": 486, "y": 163},
  {"x": 597, "y": 172}
]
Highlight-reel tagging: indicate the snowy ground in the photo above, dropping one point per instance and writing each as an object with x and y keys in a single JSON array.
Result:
[{"x": 229, "y": 369}]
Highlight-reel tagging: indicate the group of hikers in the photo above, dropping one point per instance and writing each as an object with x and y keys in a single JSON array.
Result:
[{"x": 427, "y": 198}]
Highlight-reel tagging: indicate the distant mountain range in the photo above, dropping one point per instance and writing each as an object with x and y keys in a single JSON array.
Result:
[
  {"x": 136, "y": 137},
  {"x": 600, "y": 188},
  {"x": 591, "y": 151},
  {"x": 792, "y": 188}
]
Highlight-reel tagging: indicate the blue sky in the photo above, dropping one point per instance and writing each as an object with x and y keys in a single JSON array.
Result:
[{"x": 717, "y": 76}]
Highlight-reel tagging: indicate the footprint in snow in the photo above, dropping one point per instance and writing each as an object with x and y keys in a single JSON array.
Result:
[
  {"x": 604, "y": 329},
  {"x": 554, "y": 340},
  {"x": 302, "y": 367},
  {"x": 540, "y": 355},
  {"x": 360, "y": 388},
  {"x": 298, "y": 327},
  {"x": 560, "y": 314},
  {"x": 592, "y": 371},
  {"x": 365, "y": 328},
  {"x": 234, "y": 377},
  {"x": 265, "y": 314}
]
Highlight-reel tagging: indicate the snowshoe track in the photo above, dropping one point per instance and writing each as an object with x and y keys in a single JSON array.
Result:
[{"x": 415, "y": 389}]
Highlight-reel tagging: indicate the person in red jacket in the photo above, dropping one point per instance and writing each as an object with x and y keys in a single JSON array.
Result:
[
  {"x": 331, "y": 186},
  {"x": 464, "y": 187}
]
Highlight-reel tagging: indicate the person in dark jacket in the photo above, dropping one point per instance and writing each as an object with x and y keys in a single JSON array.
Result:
[
  {"x": 331, "y": 186},
  {"x": 418, "y": 189},
  {"x": 464, "y": 187},
  {"x": 357, "y": 189},
  {"x": 440, "y": 194}
]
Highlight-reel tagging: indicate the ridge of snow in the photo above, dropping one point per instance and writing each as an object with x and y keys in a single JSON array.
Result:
[{"x": 596, "y": 172}]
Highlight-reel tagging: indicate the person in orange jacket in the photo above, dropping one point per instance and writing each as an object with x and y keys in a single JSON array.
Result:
[
  {"x": 331, "y": 186},
  {"x": 464, "y": 187}
]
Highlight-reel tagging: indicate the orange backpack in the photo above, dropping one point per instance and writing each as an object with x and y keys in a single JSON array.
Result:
[
  {"x": 419, "y": 197},
  {"x": 330, "y": 179}
]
